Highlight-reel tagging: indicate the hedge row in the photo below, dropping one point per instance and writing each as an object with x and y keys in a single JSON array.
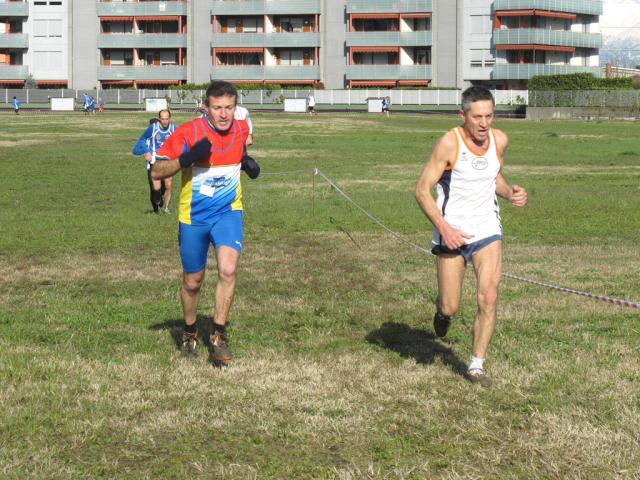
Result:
[{"x": 578, "y": 81}]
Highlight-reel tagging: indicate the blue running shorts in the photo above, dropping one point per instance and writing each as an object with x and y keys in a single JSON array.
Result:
[
  {"x": 467, "y": 251},
  {"x": 194, "y": 240}
]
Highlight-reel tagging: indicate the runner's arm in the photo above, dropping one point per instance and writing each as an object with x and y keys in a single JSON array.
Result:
[
  {"x": 142, "y": 146},
  {"x": 439, "y": 160},
  {"x": 515, "y": 194}
]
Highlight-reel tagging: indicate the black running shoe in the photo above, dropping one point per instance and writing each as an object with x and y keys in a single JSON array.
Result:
[
  {"x": 441, "y": 324},
  {"x": 220, "y": 346},
  {"x": 189, "y": 345}
]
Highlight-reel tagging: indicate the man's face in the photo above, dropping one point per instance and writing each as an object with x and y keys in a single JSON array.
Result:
[
  {"x": 220, "y": 111},
  {"x": 478, "y": 120},
  {"x": 165, "y": 119}
]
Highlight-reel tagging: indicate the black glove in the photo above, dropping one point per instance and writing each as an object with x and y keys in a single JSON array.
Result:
[
  {"x": 250, "y": 166},
  {"x": 200, "y": 150}
]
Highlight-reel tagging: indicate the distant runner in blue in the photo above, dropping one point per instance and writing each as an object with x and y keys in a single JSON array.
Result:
[
  {"x": 148, "y": 145},
  {"x": 89, "y": 104},
  {"x": 16, "y": 105}
]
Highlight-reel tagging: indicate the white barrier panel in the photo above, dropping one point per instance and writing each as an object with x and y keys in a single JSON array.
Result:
[
  {"x": 295, "y": 105},
  {"x": 155, "y": 104},
  {"x": 65, "y": 104},
  {"x": 375, "y": 105}
]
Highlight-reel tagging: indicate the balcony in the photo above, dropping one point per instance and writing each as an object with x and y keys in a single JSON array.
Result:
[
  {"x": 587, "y": 7},
  {"x": 265, "y": 7},
  {"x": 266, "y": 72},
  {"x": 524, "y": 71},
  {"x": 280, "y": 39},
  {"x": 14, "y": 9},
  {"x": 389, "y": 72},
  {"x": 389, "y": 6},
  {"x": 541, "y": 36},
  {"x": 14, "y": 72},
  {"x": 147, "y": 40},
  {"x": 143, "y": 72},
  {"x": 388, "y": 39},
  {"x": 14, "y": 40},
  {"x": 141, "y": 9}
]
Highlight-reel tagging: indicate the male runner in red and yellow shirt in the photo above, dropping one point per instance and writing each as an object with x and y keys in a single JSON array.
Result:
[{"x": 209, "y": 151}]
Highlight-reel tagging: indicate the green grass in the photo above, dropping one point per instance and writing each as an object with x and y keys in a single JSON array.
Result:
[{"x": 338, "y": 374}]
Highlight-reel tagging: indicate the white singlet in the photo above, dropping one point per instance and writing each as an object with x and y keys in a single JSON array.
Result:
[
  {"x": 467, "y": 190},
  {"x": 242, "y": 113}
]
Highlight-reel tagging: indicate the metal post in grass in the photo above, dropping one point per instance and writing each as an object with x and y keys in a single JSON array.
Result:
[{"x": 313, "y": 189}]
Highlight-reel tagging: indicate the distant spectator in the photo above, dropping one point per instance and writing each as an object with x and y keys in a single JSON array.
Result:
[
  {"x": 311, "y": 104},
  {"x": 16, "y": 105},
  {"x": 386, "y": 104}
]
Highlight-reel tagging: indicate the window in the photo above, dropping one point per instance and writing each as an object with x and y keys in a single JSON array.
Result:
[
  {"x": 250, "y": 25},
  {"x": 481, "y": 57},
  {"x": 422, "y": 56},
  {"x": 480, "y": 24},
  {"x": 47, "y": 28},
  {"x": 55, "y": 28},
  {"x": 40, "y": 28},
  {"x": 51, "y": 60}
]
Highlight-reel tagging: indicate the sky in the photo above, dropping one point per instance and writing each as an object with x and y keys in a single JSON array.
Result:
[{"x": 621, "y": 18}]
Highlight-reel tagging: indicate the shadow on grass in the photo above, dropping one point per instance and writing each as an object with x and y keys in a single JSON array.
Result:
[
  {"x": 176, "y": 327},
  {"x": 415, "y": 343}
]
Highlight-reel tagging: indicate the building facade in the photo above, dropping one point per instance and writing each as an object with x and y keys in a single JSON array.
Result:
[{"x": 331, "y": 43}]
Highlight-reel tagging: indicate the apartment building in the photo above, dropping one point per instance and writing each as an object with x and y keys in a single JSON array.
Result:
[{"x": 334, "y": 43}]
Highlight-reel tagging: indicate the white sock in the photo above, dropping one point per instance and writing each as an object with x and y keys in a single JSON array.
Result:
[{"x": 476, "y": 363}]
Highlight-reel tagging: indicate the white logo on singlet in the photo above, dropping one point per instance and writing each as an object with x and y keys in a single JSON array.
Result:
[{"x": 479, "y": 163}]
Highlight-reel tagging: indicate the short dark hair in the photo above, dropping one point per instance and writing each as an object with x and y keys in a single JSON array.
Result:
[
  {"x": 220, "y": 88},
  {"x": 164, "y": 110},
  {"x": 475, "y": 94}
]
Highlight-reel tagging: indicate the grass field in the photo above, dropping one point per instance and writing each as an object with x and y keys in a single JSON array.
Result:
[{"x": 337, "y": 371}]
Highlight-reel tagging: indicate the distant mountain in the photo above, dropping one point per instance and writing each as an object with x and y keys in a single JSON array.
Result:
[
  {"x": 620, "y": 26},
  {"x": 621, "y": 51}
]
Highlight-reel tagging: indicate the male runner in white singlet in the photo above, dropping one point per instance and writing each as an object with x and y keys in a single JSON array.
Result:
[{"x": 465, "y": 167}]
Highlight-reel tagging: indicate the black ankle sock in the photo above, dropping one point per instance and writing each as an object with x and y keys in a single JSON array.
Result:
[
  {"x": 190, "y": 328},
  {"x": 219, "y": 328}
]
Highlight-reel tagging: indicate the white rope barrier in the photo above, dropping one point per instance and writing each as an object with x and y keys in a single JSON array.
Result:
[{"x": 402, "y": 238}]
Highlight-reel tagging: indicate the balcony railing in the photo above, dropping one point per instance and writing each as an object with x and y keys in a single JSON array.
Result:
[
  {"x": 141, "y": 9},
  {"x": 266, "y": 72},
  {"x": 14, "y": 9},
  {"x": 588, "y": 7},
  {"x": 280, "y": 39},
  {"x": 384, "y": 39},
  {"x": 541, "y": 36},
  {"x": 389, "y": 6},
  {"x": 265, "y": 7},
  {"x": 143, "y": 72},
  {"x": 14, "y": 40},
  {"x": 389, "y": 72},
  {"x": 146, "y": 40},
  {"x": 14, "y": 72},
  {"x": 524, "y": 71}
]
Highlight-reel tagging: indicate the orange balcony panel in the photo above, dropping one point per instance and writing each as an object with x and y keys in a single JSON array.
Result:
[
  {"x": 374, "y": 49},
  {"x": 374, "y": 15}
]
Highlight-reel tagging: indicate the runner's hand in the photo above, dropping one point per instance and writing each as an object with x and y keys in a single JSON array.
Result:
[
  {"x": 452, "y": 237},
  {"x": 250, "y": 166},
  {"x": 518, "y": 196},
  {"x": 199, "y": 151}
]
